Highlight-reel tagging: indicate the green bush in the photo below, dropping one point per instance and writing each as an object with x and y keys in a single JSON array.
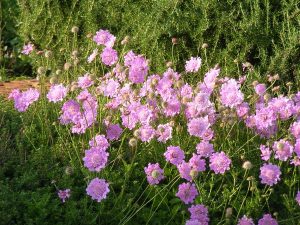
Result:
[{"x": 264, "y": 33}]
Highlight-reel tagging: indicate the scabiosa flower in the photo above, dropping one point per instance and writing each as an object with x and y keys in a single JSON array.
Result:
[
  {"x": 109, "y": 88},
  {"x": 85, "y": 81},
  {"x": 185, "y": 171},
  {"x": 245, "y": 221},
  {"x": 109, "y": 56},
  {"x": 22, "y": 100},
  {"x": 231, "y": 95},
  {"x": 260, "y": 89},
  {"x": 95, "y": 159},
  {"x": 99, "y": 141},
  {"x": 64, "y": 194},
  {"x": 27, "y": 49},
  {"x": 174, "y": 155},
  {"x": 57, "y": 93},
  {"x": 92, "y": 57},
  {"x": 295, "y": 129},
  {"x": 164, "y": 132},
  {"x": 267, "y": 220},
  {"x": 98, "y": 189},
  {"x": 242, "y": 110},
  {"x": 193, "y": 65},
  {"x": 138, "y": 70},
  {"x": 283, "y": 150},
  {"x": 200, "y": 213},
  {"x": 113, "y": 132},
  {"x": 187, "y": 192},
  {"x": 269, "y": 174},
  {"x": 205, "y": 149},
  {"x": 265, "y": 152},
  {"x": 198, "y": 126},
  {"x": 194, "y": 222},
  {"x": 146, "y": 133},
  {"x": 196, "y": 163},
  {"x": 219, "y": 162},
  {"x": 298, "y": 198},
  {"x": 297, "y": 147},
  {"x": 154, "y": 173},
  {"x": 103, "y": 37}
]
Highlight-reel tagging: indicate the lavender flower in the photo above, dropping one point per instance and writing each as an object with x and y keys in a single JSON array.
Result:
[
  {"x": 57, "y": 93},
  {"x": 98, "y": 189},
  {"x": 154, "y": 173},
  {"x": 95, "y": 159},
  {"x": 109, "y": 56},
  {"x": 99, "y": 141},
  {"x": 198, "y": 126},
  {"x": 283, "y": 150},
  {"x": 85, "y": 81},
  {"x": 267, "y": 220},
  {"x": 174, "y": 155},
  {"x": 103, "y": 37},
  {"x": 193, "y": 65},
  {"x": 64, "y": 194},
  {"x": 245, "y": 221},
  {"x": 113, "y": 131},
  {"x": 219, "y": 162},
  {"x": 269, "y": 174},
  {"x": 231, "y": 95},
  {"x": 187, "y": 192},
  {"x": 298, "y": 198},
  {"x": 199, "y": 213},
  {"x": 27, "y": 49},
  {"x": 205, "y": 149}
]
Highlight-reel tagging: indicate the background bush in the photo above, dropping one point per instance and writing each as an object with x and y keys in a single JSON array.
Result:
[{"x": 262, "y": 32}]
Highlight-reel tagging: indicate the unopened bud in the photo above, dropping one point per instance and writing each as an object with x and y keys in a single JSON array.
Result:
[
  {"x": 41, "y": 70},
  {"x": 125, "y": 40},
  {"x": 174, "y": 41},
  {"x": 67, "y": 66},
  {"x": 247, "y": 165},
  {"x": 169, "y": 64},
  {"x": 57, "y": 72},
  {"x": 48, "y": 54}
]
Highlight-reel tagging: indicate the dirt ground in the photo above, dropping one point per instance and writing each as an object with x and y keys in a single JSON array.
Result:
[{"x": 7, "y": 87}]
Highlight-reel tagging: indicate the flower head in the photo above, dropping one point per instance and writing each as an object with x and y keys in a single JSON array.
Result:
[
  {"x": 27, "y": 49},
  {"x": 245, "y": 221},
  {"x": 109, "y": 56},
  {"x": 267, "y": 220},
  {"x": 200, "y": 213},
  {"x": 187, "y": 192},
  {"x": 154, "y": 173},
  {"x": 64, "y": 194},
  {"x": 103, "y": 37},
  {"x": 193, "y": 65},
  {"x": 219, "y": 162},
  {"x": 98, "y": 189},
  {"x": 95, "y": 159},
  {"x": 269, "y": 174},
  {"x": 174, "y": 155},
  {"x": 113, "y": 132},
  {"x": 57, "y": 93}
]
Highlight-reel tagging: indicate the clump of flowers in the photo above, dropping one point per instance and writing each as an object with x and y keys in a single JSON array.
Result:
[
  {"x": 98, "y": 189},
  {"x": 24, "y": 99}
]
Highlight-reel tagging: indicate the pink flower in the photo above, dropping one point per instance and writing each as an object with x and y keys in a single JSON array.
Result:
[
  {"x": 64, "y": 194},
  {"x": 113, "y": 131},
  {"x": 185, "y": 171},
  {"x": 198, "y": 126},
  {"x": 196, "y": 163},
  {"x": 200, "y": 213},
  {"x": 164, "y": 132},
  {"x": 265, "y": 152},
  {"x": 57, "y": 93},
  {"x": 174, "y": 155},
  {"x": 154, "y": 173},
  {"x": 146, "y": 133},
  {"x": 92, "y": 57},
  {"x": 298, "y": 198},
  {"x": 205, "y": 149},
  {"x": 103, "y": 37},
  {"x": 22, "y": 100},
  {"x": 98, "y": 189},
  {"x": 219, "y": 162},
  {"x": 267, "y": 220},
  {"x": 27, "y": 49},
  {"x": 109, "y": 56},
  {"x": 95, "y": 159},
  {"x": 193, "y": 65},
  {"x": 85, "y": 81},
  {"x": 283, "y": 150},
  {"x": 245, "y": 221},
  {"x": 187, "y": 192},
  {"x": 269, "y": 174},
  {"x": 231, "y": 95},
  {"x": 295, "y": 129},
  {"x": 99, "y": 141},
  {"x": 260, "y": 89}
]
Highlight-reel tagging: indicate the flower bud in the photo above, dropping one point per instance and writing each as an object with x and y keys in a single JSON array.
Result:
[
  {"x": 205, "y": 45},
  {"x": 133, "y": 142},
  {"x": 125, "y": 40},
  {"x": 247, "y": 165},
  {"x": 41, "y": 70},
  {"x": 67, "y": 66},
  {"x": 174, "y": 41},
  {"x": 48, "y": 54}
]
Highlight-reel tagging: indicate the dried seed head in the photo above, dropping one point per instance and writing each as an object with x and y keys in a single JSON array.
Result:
[
  {"x": 205, "y": 45},
  {"x": 169, "y": 64},
  {"x": 69, "y": 170},
  {"x": 67, "y": 66},
  {"x": 133, "y": 142},
  {"x": 125, "y": 40},
  {"x": 174, "y": 41},
  {"x": 228, "y": 212},
  {"x": 48, "y": 54},
  {"x": 53, "y": 80},
  {"x": 74, "y": 29},
  {"x": 247, "y": 165},
  {"x": 41, "y": 70},
  {"x": 57, "y": 72}
]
